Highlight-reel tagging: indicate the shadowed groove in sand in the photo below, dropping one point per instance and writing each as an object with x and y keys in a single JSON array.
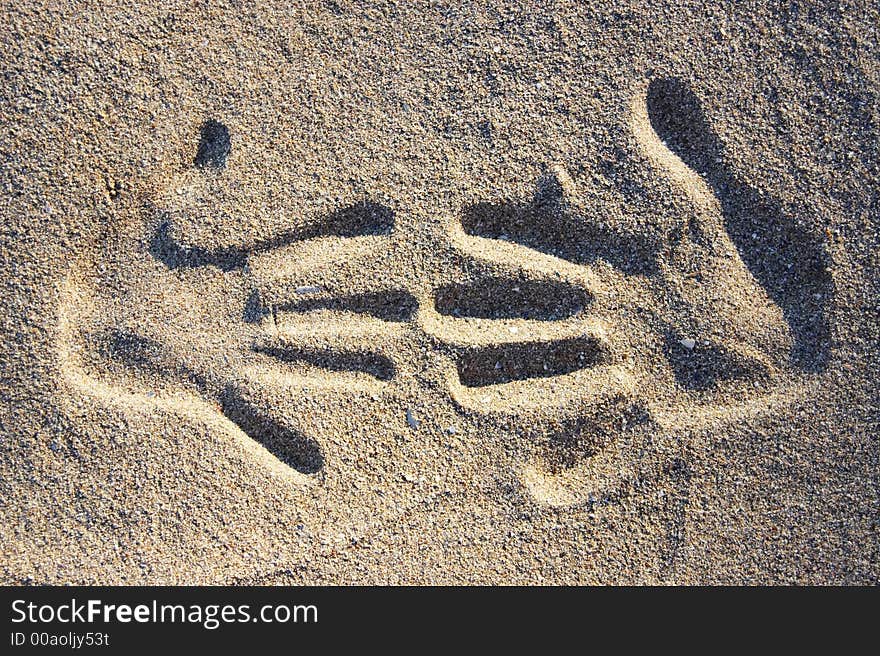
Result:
[
  {"x": 585, "y": 434},
  {"x": 146, "y": 356},
  {"x": 130, "y": 348},
  {"x": 708, "y": 365},
  {"x": 143, "y": 355},
  {"x": 377, "y": 366},
  {"x": 548, "y": 224},
  {"x": 788, "y": 260},
  {"x": 358, "y": 220},
  {"x": 388, "y": 305},
  {"x": 494, "y": 297},
  {"x": 291, "y": 447},
  {"x": 504, "y": 363}
]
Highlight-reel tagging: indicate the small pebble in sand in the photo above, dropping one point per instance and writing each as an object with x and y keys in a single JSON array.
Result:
[
  {"x": 411, "y": 419},
  {"x": 688, "y": 343},
  {"x": 308, "y": 289}
]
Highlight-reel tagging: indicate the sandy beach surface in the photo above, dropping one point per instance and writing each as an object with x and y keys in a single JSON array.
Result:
[{"x": 439, "y": 292}]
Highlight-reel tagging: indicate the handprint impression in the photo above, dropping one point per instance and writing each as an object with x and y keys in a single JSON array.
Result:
[
  {"x": 557, "y": 320},
  {"x": 243, "y": 359}
]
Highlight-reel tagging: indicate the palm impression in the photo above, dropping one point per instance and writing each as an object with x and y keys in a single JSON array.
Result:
[{"x": 543, "y": 318}]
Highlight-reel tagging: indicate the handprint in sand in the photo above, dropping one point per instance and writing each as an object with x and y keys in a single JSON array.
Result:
[
  {"x": 571, "y": 327},
  {"x": 217, "y": 324},
  {"x": 595, "y": 330}
]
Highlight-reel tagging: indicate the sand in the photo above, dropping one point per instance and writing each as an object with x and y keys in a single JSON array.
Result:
[{"x": 351, "y": 292}]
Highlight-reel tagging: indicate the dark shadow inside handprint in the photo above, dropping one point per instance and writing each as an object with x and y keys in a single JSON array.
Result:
[
  {"x": 497, "y": 298},
  {"x": 290, "y": 446},
  {"x": 703, "y": 368},
  {"x": 787, "y": 258},
  {"x": 547, "y": 223},
  {"x": 148, "y": 359},
  {"x": 360, "y": 219}
]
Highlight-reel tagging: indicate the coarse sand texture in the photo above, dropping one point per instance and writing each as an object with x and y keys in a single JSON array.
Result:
[{"x": 422, "y": 293}]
